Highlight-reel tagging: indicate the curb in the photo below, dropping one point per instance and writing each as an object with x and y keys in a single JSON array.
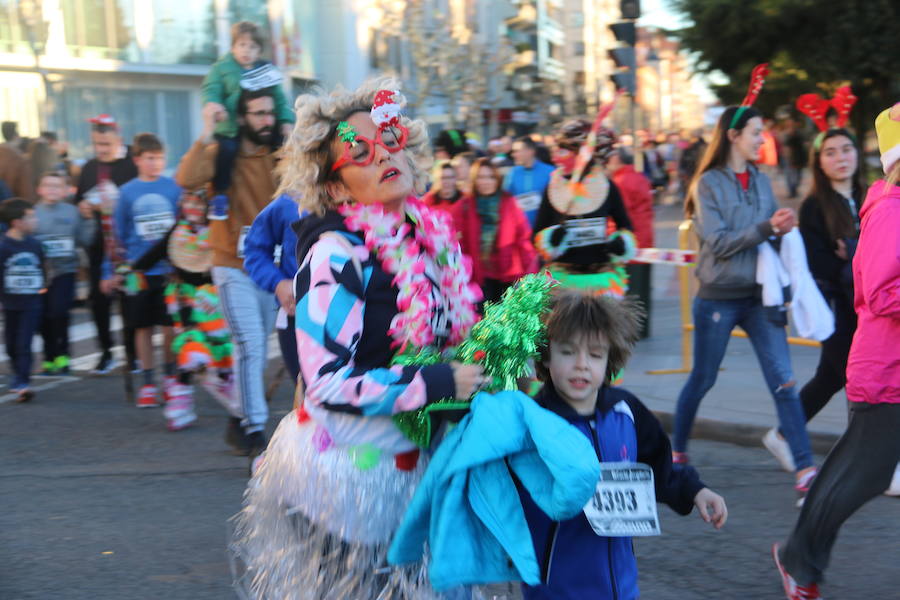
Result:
[{"x": 740, "y": 433}]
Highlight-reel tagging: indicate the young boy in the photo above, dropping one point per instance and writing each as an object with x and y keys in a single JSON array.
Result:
[
  {"x": 22, "y": 280},
  {"x": 61, "y": 227},
  {"x": 143, "y": 215},
  {"x": 589, "y": 340},
  {"x": 239, "y": 69}
]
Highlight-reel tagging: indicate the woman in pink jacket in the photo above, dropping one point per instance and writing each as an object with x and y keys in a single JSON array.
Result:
[{"x": 861, "y": 464}]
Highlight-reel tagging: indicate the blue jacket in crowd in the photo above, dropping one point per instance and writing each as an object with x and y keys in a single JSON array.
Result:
[
  {"x": 575, "y": 562},
  {"x": 520, "y": 181},
  {"x": 467, "y": 504},
  {"x": 270, "y": 229}
]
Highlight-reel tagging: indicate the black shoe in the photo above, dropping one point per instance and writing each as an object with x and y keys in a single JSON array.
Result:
[
  {"x": 236, "y": 438},
  {"x": 106, "y": 365},
  {"x": 257, "y": 442}
]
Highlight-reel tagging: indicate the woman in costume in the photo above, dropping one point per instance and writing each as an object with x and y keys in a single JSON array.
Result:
[
  {"x": 379, "y": 273},
  {"x": 571, "y": 225},
  {"x": 735, "y": 211}
]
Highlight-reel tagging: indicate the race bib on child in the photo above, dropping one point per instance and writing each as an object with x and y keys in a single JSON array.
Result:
[
  {"x": 585, "y": 232},
  {"x": 241, "y": 239},
  {"x": 154, "y": 226},
  {"x": 624, "y": 501},
  {"x": 529, "y": 201},
  {"x": 23, "y": 274},
  {"x": 58, "y": 246}
]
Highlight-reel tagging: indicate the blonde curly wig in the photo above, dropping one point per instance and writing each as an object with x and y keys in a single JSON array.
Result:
[{"x": 305, "y": 164}]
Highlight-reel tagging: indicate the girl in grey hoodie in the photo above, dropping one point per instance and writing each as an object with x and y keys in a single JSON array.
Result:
[{"x": 734, "y": 211}]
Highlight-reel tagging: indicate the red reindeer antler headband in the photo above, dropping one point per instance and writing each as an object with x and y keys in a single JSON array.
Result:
[
  {"x": 816, "y": 108},
  {"x": 757, "y": 79}
]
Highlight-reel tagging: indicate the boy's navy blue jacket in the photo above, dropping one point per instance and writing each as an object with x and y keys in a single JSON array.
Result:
[
  {"x": 575, "y": 562},
  {"x": 271, "y": 228},
  {"x": 21, "y": 272}
]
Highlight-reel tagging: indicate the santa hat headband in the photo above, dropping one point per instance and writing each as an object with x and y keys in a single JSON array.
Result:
[
  {"x": 757, "y": 80},
  {"x": 386, "y": 108}
]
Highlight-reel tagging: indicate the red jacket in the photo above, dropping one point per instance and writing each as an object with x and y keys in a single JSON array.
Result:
[
  {"x": 513, "y": 254},
  {"x": 432, "y": 200},
  {"x": 637, "y": 195}
]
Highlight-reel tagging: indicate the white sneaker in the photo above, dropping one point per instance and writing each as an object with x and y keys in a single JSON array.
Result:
[
  {"x": 179, "y": 410},
  {"x": 780, "y": 449},
  {"x": 894, "y": 488}
]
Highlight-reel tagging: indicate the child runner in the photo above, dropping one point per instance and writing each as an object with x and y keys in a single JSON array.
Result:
[
  {"x": 145, "y": 212},
  {"x": 61, "y": 228},
  {"x": 240, "y": 69},
  {"x": 590, "y": 337},
  {"x": 860, "y": 465},
  {"x": 203, "y": 340},
  {"x": 22, "y": 277}
]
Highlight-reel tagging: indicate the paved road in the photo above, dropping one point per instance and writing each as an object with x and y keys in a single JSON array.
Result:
[{"x": 101, "y": 502}]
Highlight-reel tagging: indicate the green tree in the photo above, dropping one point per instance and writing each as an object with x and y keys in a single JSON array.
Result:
[{"x": 811, "y": 45}]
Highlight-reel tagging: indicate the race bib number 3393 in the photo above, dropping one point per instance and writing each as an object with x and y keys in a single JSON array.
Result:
[{"x": 624, "y": 501}]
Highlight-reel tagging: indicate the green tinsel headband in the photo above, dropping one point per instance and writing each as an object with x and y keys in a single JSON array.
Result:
[{"x": 820, "y": 138}]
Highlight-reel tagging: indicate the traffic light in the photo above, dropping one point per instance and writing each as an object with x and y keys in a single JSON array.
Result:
[
  {"x": 631, "y": 9},
  {"x": 624, "y": 56}
]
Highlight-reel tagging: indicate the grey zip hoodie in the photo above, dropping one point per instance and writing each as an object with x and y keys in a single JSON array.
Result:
[
  {"x": 731, "y": 223},
  {"x": 61, "y": 229}
]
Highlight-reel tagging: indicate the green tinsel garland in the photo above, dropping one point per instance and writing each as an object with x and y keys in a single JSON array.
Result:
[{"x": 510, "y": 334}]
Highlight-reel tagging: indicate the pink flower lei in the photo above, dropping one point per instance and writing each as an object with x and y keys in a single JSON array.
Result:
[{"x": 387, "y": 235}]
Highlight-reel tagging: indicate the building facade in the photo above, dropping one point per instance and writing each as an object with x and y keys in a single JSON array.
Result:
[{"x": 142, "y": 61}]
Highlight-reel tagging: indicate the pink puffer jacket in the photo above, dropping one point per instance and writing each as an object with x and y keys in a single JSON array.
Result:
[{"x": 873, "y": 369}]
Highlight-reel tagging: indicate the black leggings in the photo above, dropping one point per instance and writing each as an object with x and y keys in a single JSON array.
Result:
[
  {"x": 859, "y": 467},
  {"x": 831, "y": 373}
]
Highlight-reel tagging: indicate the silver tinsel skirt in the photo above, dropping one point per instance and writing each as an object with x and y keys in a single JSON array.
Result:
[{"x": 317, "y": 522}]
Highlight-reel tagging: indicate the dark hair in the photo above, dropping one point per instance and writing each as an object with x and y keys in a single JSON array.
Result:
[
  {"x": 248, "y": 95},
  {"x": 14, "y": 208},
  {"x": 525, "y": 139},
  {"x": 146, "y": 142},
  {"x": 624, "y": 155},
  {"x": 247, "y": 28},
  {"x": 50, "y": 136},
  {"x": 574, "y": 312},
  {"x": 104, "y": 127},
  {"x": 473, "y": 174},
  {"x": 10, "y": 130},
  {"x": 838, "y": 221},
  {"x": 55, "y": 173},
  {"x": 716, "y": 154}
]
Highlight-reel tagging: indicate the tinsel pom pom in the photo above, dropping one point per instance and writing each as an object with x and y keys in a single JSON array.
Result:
[{"x": 510, "y": 334}]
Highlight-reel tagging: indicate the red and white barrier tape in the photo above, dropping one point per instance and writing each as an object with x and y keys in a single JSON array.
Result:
[{"x": 665, "y": 256}]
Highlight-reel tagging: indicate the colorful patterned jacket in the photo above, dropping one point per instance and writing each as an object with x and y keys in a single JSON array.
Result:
[{"x": 345, "y": 350}]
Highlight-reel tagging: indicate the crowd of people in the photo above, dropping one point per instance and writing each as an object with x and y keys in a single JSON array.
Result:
[{"x": 308, "y": 222}]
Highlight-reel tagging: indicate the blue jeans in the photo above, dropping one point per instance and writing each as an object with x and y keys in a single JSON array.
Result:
[
  {"x": 713, "y": 322},
  {"x": 18, "y": 328},
  {"x": 250, "y": 313}
]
